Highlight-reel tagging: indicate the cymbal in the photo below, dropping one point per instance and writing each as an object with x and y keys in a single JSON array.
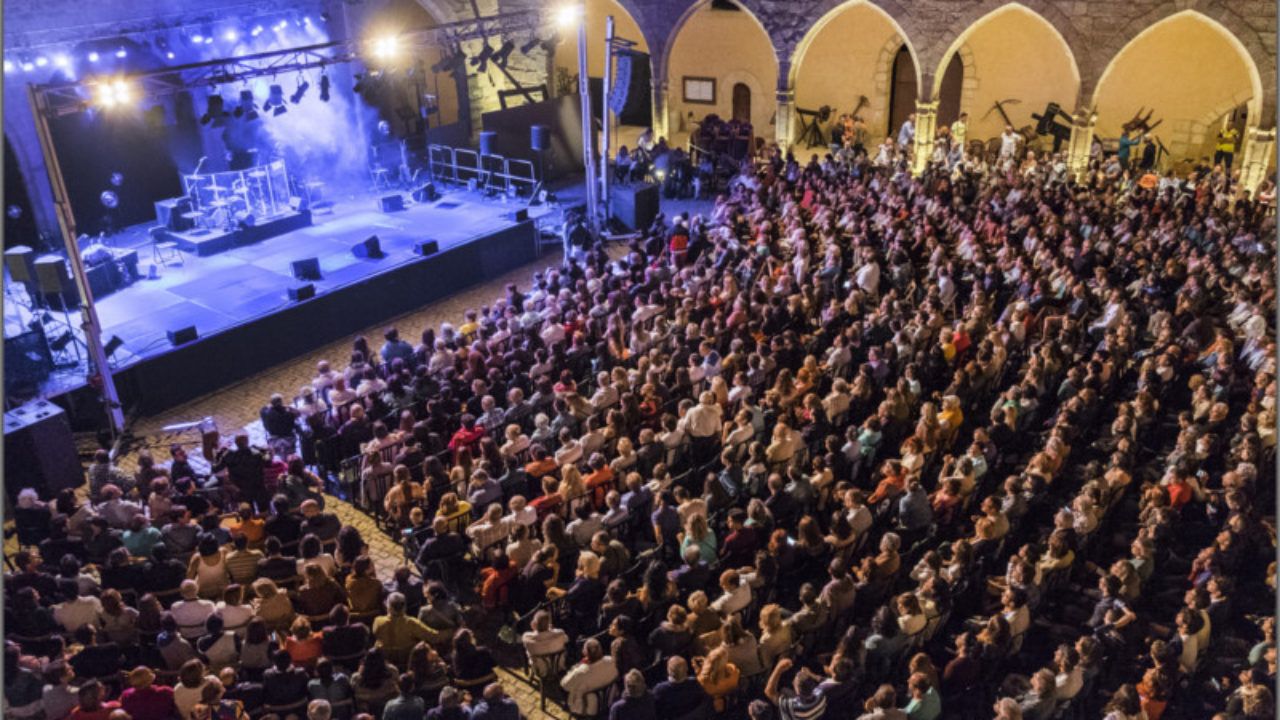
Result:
[{"x": 258, "y": 174}]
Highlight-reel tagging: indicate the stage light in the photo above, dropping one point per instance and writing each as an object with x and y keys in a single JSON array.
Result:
[
  {"x": 197, "y": 38},
  {"x": 93, "y": 57},
  {"x": 358, "y": 87},
  {"x": 169, "y": 55},
  {"x": 122, "y": 53},
  {"x": 231, "y": 36},
  {"x": 324, "y": 88},
  {"x": 208, "y": 40},
  {"x": 528, "y": 47},
  {"x": 114, "y": 92},
  {"x": 298, "y": 94},
  {"x": 61, "y": 61},
  {"x": 214, "y": 112},
  {"x": 503, "y": 55},
  {"x": 307, "y": 21},
  {"x": 385, "y": 48},
  {"x": 28, "y": 67},
  {"x": 257, "y": 30},
  {"x": 569, "y": 15},
  {"x": 275, "y": 101},
  {"x": 246, "y": 106},
  {"x": 8, "y": 66},
  {"x": 481, "y": 62},
  {"x": 42, "y": 61}
]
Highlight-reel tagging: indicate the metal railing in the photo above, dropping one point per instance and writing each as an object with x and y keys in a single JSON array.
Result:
[{"x": 491, "y": 172}]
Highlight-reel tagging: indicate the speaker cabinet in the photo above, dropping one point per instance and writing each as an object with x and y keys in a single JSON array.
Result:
[
  {"x": 426, "y": 247},
  {"x": 391, "y": 203},
  {"x": 21, "y": 261},
  {"x": 520, "y": 215},
  {"x": 306, "y": 269},
  {"x": 40, "y": 451},
  {"x": 539, "y": 138},
  {"x": 487, "y": 140},
  {"x": 635, "y": 206},
  {"x": 426, "y": 193},
  {"x": 181, "y": 336},
  {"x": 298, "y": 293},
  {"x": 368, "y": 249}
]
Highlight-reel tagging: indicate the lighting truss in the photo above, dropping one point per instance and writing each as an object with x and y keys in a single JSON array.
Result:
[{"x": 74, "y": 96}]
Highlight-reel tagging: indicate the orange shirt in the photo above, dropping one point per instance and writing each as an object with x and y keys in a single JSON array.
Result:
[
  {"x": 254, "y": 529},
  {"x": 600, "y": 482},
  {"x": 304, "y": 652}
]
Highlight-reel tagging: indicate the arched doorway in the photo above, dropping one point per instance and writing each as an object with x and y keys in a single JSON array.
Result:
[
  {"x": 1215, "y": 76},
  {"x": 903, "y": 90},
  {"x": 711, "y": 51},
  {"x": 1013, "y": 53},
  {"x": 846, "y": 62},
  {"x": 741, "y": 102},
  {"x": 949, "y": 95}
]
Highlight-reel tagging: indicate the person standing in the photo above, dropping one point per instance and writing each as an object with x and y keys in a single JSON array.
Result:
[
  {"x": 1009, "y": 141},
  {"x": 245, "y": 467},
  {"x": 960, "y": 132},
  {"x": 907, "y": 133},
  {"x": 1126, "y": 145},
  {"x": 1225, "y": 150}
]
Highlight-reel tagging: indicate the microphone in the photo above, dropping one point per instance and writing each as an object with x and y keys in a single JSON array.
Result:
[{"x": 198, "y": 165}]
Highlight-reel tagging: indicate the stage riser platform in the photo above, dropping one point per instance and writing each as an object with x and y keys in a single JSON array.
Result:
[
  {"x": 211, "y": 363},
  {"x": 221, "y": 241}
]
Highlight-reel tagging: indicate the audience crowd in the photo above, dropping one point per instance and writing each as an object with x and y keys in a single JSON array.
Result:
[{"x": 980, "y": 443}]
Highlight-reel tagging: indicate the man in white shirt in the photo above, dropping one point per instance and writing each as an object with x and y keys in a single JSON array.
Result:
[
  {"x": 907, "y": 133},
  {"x": 737, "y": 594},
  {"x": 190, "y": 612},
  {"x": 595, "y": 672},
  {"x": 116, "y": 511},
  {"x": 868, "y": 277},
  {"x": 75, "y": 614},
  {"x": 1009, "y": 141}
]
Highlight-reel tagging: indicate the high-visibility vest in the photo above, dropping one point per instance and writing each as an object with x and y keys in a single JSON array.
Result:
[{"x": 1227, "y": 140}]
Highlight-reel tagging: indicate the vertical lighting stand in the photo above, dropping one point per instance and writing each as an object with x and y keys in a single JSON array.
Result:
[{"x": 67, "y": 223}]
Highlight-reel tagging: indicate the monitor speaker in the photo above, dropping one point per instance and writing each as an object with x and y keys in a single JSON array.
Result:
[
  {"x": 53, "y": 275},
  {"x": 539, "y": 138},
  {"x": 487, "y": 140},
  {"x": 298, "y": 293},
  {"x": 391, "y": 203},
  {"x": 308, "y": 269},
  {"x": 426, "y": 193},
  {"x": 635, "y": 206},
  {"x": 39, "y": 450},
  {"x": 369, "y": 248},
  {"x": 21, "y": 262},
  {"x": 181, "y": 336},
  {"x": 519, "y": 215},
  {"x": 426, "y": 247}
]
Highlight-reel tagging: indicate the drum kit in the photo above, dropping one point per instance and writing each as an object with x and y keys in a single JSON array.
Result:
[{"x": 224, "y": 199}]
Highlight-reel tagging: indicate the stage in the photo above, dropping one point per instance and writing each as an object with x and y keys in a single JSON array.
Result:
[{"x": 238, "y": 300}]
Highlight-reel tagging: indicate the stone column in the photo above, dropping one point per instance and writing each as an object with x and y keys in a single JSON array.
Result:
[
  {"x": 1082, "y": 127},
  {"x": 785, "y": 117},
  {"x": 926, "y": 128},
  {"x": 1254, "y": 158},
  {"x": 661, "y": 123}
]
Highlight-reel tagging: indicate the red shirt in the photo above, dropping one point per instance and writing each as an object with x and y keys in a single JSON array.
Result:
[
  {"x": 149, "y": 703},
  {"x": 102, "y": 713}
]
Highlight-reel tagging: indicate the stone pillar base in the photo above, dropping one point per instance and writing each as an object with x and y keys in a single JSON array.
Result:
[
  {"x": 1082, "y": 127},
  {"x": 1256, "y": 156},
  {"x": 926, "y": 128}
]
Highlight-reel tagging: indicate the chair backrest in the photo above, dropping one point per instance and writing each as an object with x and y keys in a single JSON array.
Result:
[{"x": 544, "y": 666}]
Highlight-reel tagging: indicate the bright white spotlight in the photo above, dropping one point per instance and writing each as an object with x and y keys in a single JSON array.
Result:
[
  {"x": 42, "y": 61},
  {"x": 568, "y": 16},
  {"x": 197, "y": 38},
  {"x": 385, "y": 48},
  {"x": 93, "y": 57},
  {"x": 256, "y": 31},
  {"x": 122, "y": 53},
  {"x": 169, "y": 55},
  {"x": 111, "y": 93},
  {"x": 8, "y": 66},
  {"x": 231, "y": 36},
  {"x": 61, "y": 61},
  {"x": 28, "y": 67}
]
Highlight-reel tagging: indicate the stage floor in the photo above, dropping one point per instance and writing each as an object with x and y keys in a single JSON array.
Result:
[{"x": 244, "y": 284}]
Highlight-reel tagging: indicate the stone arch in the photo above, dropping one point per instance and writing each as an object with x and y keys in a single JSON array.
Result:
[
  {"x": 1260, "y": 65},
  {"x": 874, "y": 78},
  {"x": 765, "y": 80},
  {"x": 975, "y": 18},
  {"x": 797, "y": 52},
  {"x": 1189, "y": 109}
]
